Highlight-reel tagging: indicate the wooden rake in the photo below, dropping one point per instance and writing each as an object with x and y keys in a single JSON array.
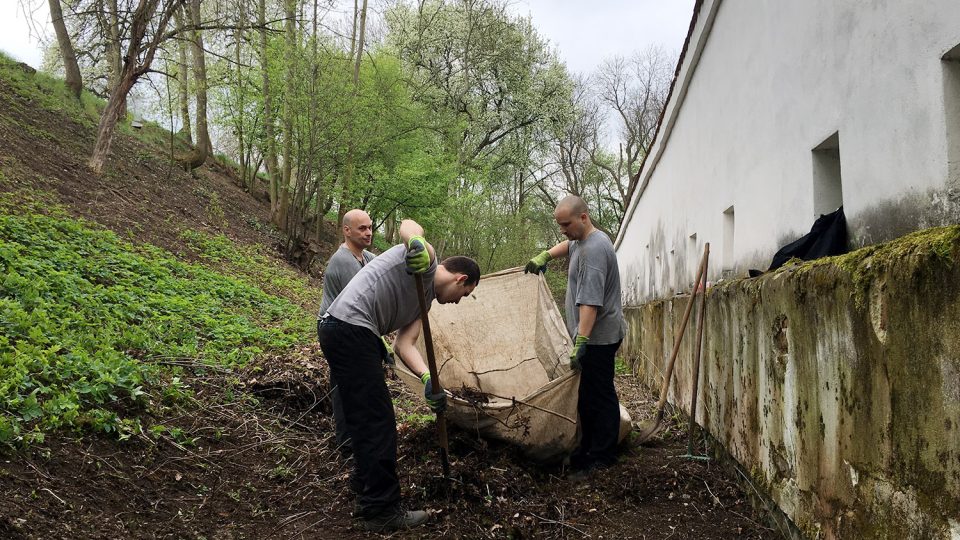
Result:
[
  {"x": 434, "y": 376},
  {"x": 646, "y": 430}
]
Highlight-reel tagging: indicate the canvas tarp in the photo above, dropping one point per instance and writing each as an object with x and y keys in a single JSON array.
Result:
[{"x": 503, "y": 355}]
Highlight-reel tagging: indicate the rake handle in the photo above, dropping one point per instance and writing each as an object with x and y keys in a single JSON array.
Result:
[
  {"x": 701, "y": 321},
  {"x": 676, "y": 343},
  {"x": 434, "y": 377}
]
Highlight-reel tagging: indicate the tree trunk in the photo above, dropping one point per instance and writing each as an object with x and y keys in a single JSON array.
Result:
[
  {"x": 270, "y": 148},
  {"x": 390, "y": 228},
  {"x": 201, "y": 149},
  {"x": 353, "y": 34},
  {"x": 114, "y": 55},
  {"x": 108, "y": 120},
  {"x": 242, "y": 157},
  {"x": 351, "y": 145},
  {"x": 285, "y": 178},
  {"x": 183, "y": 84},
  {"x": 70, "y": 66}
]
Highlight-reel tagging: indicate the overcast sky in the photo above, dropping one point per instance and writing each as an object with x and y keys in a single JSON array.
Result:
[
  {"x": 588, "y": 32},
  {"x": 15, "y": 37},
  {"x": 585, "y": 33}
]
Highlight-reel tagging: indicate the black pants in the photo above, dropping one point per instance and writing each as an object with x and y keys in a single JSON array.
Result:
[
  {"x": 340, "y": 425},
  {"x": 599, "y": 409},
  {"x": 354, "y": 356}
]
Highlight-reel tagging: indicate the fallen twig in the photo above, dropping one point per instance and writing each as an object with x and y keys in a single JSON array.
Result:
[{"x": 561, "y": 523}]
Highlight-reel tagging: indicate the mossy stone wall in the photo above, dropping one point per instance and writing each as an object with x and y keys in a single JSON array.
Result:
[{"x": 837, "y": 382}]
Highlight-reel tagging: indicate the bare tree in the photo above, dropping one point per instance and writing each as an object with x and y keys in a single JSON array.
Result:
[
  {"x": 146, "y": 32},
  {"x": 577, "y": 139},
  {"x": 635, "y": 91}
]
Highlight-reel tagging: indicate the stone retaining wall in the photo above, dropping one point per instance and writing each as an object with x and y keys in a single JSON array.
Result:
[{"x": 836, "y": 383}]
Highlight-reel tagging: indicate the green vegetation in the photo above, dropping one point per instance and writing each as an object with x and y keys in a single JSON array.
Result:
[
  {"x": 247, "y": 264},
  {"x": 621, "y": 367},
  {"x": 49, "y": 92},
  {"x": 91, "y": 324},
  {"x": 905, "y": 254},
  {"x": 415, "y": 418}
]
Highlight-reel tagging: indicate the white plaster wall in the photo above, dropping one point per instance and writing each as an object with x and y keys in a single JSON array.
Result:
[{"x": 774, "y": 80}]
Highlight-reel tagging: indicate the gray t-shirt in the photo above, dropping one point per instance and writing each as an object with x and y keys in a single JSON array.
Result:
[
  {"x": 382, "y": 297},
  {"x": 341, "y": 268},
  {"x": 594, "y": 280}
]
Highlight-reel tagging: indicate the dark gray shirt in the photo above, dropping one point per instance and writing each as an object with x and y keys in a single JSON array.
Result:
[
  {"x": 382, "y": 297},
  {"x": 341, "y": 268},
  {"x": 594, "y": 280}
]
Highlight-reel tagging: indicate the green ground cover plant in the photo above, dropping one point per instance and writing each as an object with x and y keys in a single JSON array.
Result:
[
  {"x": 249, "y": 265},
  {"x": 89, "y": 324},
  {"x": 50, "y": 92}
]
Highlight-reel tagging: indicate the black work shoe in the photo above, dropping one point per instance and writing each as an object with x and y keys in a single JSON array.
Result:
[
  {"x": 394, "y": 521},
  {"x": 581, "y": 475}
]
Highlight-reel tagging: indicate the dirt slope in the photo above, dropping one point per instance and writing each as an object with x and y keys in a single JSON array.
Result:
[{"x": 142, "y": 195}]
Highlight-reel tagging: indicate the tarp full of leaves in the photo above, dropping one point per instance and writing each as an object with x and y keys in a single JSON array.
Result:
[{"x": 503, "y": 355}]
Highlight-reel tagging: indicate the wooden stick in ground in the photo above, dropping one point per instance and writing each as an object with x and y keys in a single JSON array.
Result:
[
  {"x": 434, "y": 377},
  {"x": 648, "y": 429},
  {"x": 701, "y": 321}
]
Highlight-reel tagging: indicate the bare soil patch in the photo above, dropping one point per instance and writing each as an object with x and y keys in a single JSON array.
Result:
[
  {"x": 259, "y": 461},
  {"x": 143, "y": 195}
]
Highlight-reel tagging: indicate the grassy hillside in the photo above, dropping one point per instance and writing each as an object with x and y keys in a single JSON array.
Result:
[
  {"x": 95, "y": 321},
  {"x": 89, "y": 321}
]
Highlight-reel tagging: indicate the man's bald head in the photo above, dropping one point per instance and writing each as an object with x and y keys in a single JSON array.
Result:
[
  {"x": 355, "y": 216},
  {"x": 357, "y": 229},
  {"x": 573, "y": 205},
  {"x": 573, "y": 218}
]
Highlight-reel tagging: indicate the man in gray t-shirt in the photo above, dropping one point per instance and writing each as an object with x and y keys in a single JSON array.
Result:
[
  {"x": 350, "y": 257},
  {"x": 596, "y": 324},
  {"x": 381, "y": 298}
]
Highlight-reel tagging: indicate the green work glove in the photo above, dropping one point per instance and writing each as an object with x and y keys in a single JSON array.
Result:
[
  {"x": 418, "y": 258},
  {"x": 538, "y": 264},
  {"x": 388, "y": 357},
  {"x": 438, "y": 401},
  {"x": 578, "y": 352}
]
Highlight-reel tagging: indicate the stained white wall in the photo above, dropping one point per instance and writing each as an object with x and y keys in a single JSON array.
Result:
[{"x": 765, "y": 83}]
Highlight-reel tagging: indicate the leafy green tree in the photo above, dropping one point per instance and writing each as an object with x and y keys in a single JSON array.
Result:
[{"x": 493, "y": 87}]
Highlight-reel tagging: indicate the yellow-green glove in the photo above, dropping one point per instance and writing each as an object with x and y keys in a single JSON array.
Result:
[
  {"x": 418, "y": 258},
  {"x": 578, "y": 352},
  {"x": 538, "y": 264},
  {"x": 437, "y": 402}
]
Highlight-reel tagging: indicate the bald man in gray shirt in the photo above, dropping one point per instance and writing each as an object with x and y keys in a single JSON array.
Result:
[
  {"x": 596, "y": 324},
  {"x": 350, "y": 257}
]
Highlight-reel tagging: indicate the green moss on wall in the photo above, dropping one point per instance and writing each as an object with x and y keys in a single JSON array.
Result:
[{"x": 905, "y": 254}]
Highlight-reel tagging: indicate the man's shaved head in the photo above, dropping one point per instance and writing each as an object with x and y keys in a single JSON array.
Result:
[
  {"x": 354, "y": 217},
  {"x": 573, "y": 205},
  {"x": 357, "y": 230},
  {"x": 573, "y": 218}
]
